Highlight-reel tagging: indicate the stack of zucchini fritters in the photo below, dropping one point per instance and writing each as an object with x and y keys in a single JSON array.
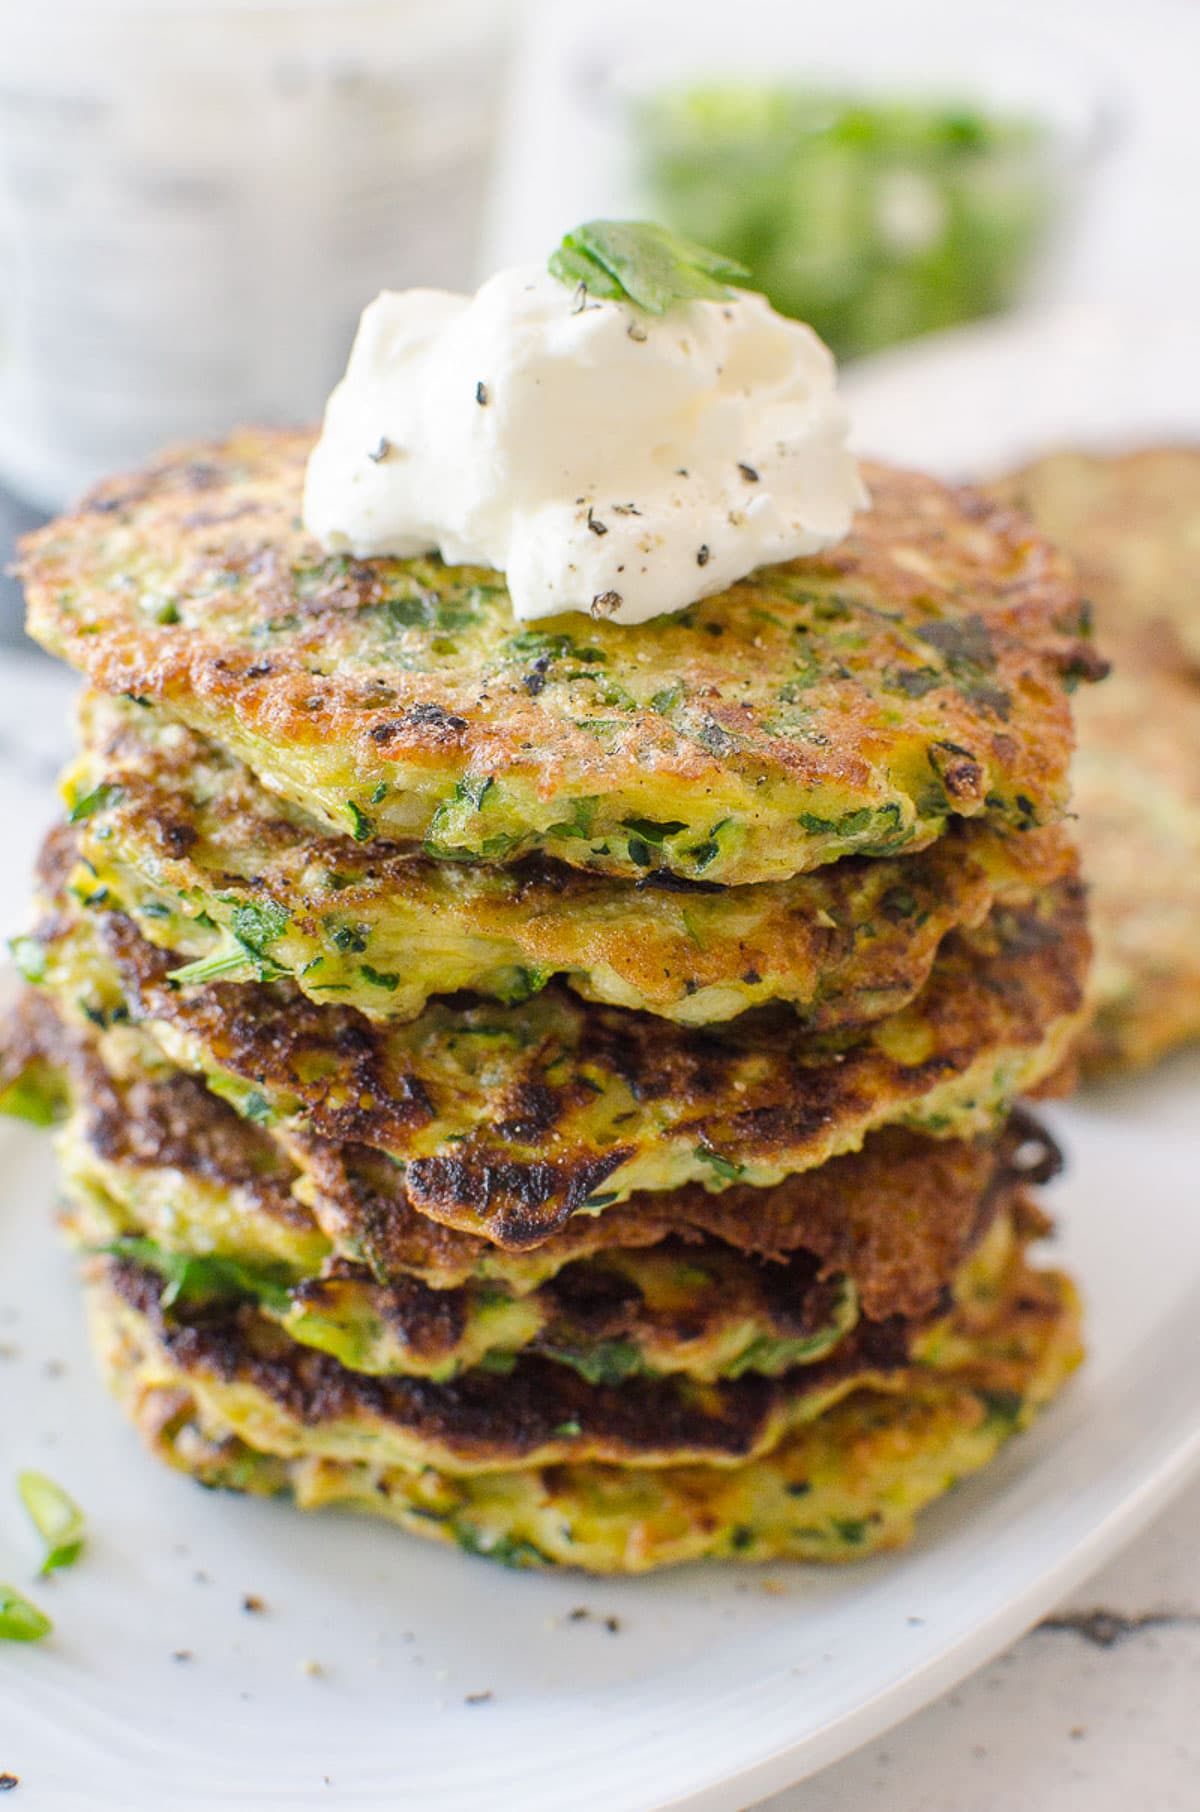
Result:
[{"x": 550, "y": 1086}]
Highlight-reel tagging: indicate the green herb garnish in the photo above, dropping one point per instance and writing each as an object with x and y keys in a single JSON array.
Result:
[
  {"x": 56, "y": 1517},
  {"x": 21, "y": 1621},
  {"x": 640, "y": 262}
]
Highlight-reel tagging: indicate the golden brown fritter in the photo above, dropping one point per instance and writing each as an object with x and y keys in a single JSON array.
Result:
[
  {"x": 508, "y": 1120},
  {"x": 1132, "y": 524},
  {"x": 163, "y": 1158},
  {"x": 286, "y": 1395},
  {"x": 212, "y": 866},
  {"x": 1137, "y": 791},
  {"x": 838, "y": 1486},
  {"x": 848, "y": 703}
]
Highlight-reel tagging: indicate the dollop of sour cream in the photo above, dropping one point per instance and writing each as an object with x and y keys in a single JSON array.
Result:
[{"x": 604, "y": 459}]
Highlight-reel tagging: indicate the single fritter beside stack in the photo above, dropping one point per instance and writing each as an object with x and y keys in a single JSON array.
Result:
[
  {"x": 1131, "y": 522},
  {"x": 551, "y": 1087}
]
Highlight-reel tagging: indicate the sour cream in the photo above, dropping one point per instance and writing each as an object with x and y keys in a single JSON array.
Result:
[{"x": 604, "y": 459}]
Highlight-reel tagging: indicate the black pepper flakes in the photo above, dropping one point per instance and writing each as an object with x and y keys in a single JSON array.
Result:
[
  {"x": 379, "y": 453},
  {"x": 597, "y": 527},
  {"x": 253, "y": 1605},
  {"x": 606, "y": 603},
  {"x": 748, "y": 472},
  {"x": 8, "y": 1782},
  {"x": 535, "y": 680},
  {"x": 481, "y": 394},
  {"x": 703, "y": 555},
  {"x": 637, "y": 332}
]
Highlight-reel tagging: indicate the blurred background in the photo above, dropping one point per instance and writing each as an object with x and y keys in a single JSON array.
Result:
[{"x": 198, "y": 196}]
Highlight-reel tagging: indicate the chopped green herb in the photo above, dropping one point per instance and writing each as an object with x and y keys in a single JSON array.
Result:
[
  {"x": 230, "y": 958},
  {"x": 21, "y": 1621},
  {"x": 234, "y": 954},
  {"x": 607, "y": 1362},
  {"x": 191, "y": 1278},
  {"x": 641, "y": 262},
  {"x": 98, "y": 800},
  {"x": 522, "y": 984},
  {"x": 378, "y": 978},
  {"x": 475, "y": 788},
  {"x": 507, "y": 1550},
  {"x": 360, "y": 823},
  {"x": 350, "y": 938},
  {"x": 653, "y": 830},
  {"x": 725, "y": 1168},
  {"x": 1003, "y": 1406},
  {"x": 56, "y": 1517},
  {"x": 259, "y": 923}
]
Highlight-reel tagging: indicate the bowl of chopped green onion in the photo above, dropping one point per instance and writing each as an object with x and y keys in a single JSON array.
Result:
[{"x": 880, "y": 189}]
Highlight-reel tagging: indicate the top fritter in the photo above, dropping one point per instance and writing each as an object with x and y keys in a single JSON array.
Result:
[{"x": 849, "y": 702}]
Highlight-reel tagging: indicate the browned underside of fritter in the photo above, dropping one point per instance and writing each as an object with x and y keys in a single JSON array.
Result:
[
  {"x": 514, "y": 1177},
  {"x": 481, "y": 1417},
  {"x": 897, "y": 1218},
  {"x": 269, "y": 649}
]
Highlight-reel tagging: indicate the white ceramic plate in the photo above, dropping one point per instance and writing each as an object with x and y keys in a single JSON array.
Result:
[
  {"x": 970, "y": 402},
  {"x": 718, "y": 1685}
]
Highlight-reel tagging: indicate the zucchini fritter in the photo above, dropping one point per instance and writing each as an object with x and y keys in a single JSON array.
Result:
[
  {"x": 508, "y": 1120},
  {"x": 1137, "y": 792},
  {"x": 851, "y": 703},
  {"x": 288, "y": 1397},
  {"x": 838, "y": 1486},
  {"x": 164, "y": 1172},
  {"x": 215, "y": 868},
  {"x": 1132, "y": 524}
]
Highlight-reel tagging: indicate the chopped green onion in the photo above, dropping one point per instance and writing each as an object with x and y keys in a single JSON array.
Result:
[
  {"x": 56, "y": 1517},
  {"x": 21, "y": 1621}
]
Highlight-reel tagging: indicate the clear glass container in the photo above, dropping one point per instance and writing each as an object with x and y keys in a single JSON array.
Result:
[{"x": 196, "y": 200}]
